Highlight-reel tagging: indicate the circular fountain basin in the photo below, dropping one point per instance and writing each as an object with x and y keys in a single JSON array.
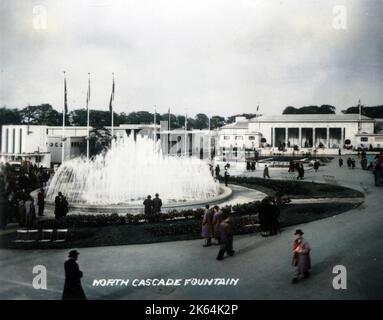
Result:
[{"x": 123, "y": 208}]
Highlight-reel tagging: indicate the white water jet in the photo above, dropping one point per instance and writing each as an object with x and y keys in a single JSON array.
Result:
[{"x": 128, "y": 172}]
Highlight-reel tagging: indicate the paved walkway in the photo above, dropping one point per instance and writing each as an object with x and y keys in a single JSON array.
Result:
[{"x": 353, "y": 239}]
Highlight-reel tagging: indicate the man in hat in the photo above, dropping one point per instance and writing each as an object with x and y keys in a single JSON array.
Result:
[
  {"x": 148, "y": 208},
  {"x": 301, "y": 257},
  {"x": 72, "y": 287}
]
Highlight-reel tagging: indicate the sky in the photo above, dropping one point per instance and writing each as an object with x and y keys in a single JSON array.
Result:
[{"x": 213, "y": 56}]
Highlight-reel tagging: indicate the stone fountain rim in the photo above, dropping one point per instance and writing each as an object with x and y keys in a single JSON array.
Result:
[{"x": 225, "y": 193}]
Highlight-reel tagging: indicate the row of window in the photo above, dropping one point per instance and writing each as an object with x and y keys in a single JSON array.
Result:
[{"x": 238, "y": 137}]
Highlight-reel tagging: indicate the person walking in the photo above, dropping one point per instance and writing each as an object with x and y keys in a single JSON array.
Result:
[
  {"x": 316, "y": 165},
  {"x": 207, "y": 226},
  {"x": 301, "y": 256},
  {"x": 157, "y": 205},
  {"x": 226, "y": 177},
  {"x": 148, "y": 208},
  {"x": 340, "y": 161},
  {"x": 41, "y": 202},
  {"x": 226, "y": 237},
  {"x": 275, "y": 226},
  {"x": 266, "y": 172},
  {"x": 72, "y": 288},
  {"x": 217, "y": 219}
]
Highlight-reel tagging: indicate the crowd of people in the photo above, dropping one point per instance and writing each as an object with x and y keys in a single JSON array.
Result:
[
  {"x": 18, "y": 182},
  {"x": 375, "y": 166}
]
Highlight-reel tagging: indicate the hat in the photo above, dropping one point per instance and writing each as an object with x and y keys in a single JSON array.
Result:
[
  {"x": 73, "y": 253},
  {"x": 298, "y": 231}
]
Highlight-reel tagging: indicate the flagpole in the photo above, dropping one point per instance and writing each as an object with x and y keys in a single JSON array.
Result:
[
  {"x": 63, "y": 127},
  {"x": 111, "y": 101},
  {"x": 87, "y": 117}
]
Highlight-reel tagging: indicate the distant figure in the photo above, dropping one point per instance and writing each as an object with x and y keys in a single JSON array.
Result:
[
  {"x": 226, "y": 176},
  {"x": 217, "y": 219},
  {"x": 207, "y": 226},
  {"x": 72, "y": 287},
  {"x": 226, "y": 239},
  {"x": 253, "y": 166},
  {"x": 349, "y": 161},
  {"x": 265, "y": 216},
  {"x": 248, "y": 166},
  {"x": 29, "y": 212},
  {"x": 301, "y": 172},
  {"x": 59, "y": 206},
  {"x": 291, "y": 166},
  {"x": 41, "y": 201},
  {"x": 301, "y": 256},
  {"x": 157, "y": 204},
  {"x": 316, "y": 165},
  {"x": 148, "y": 208},
  {"x": 340, "y": 161},
  {"x": 339, "y": 152},
  {"x": 353, "y": 163},
  {"x": 275, "y": 225},
  {"x": 266, "y": 172},
  {"x": 217, "y": 171}
]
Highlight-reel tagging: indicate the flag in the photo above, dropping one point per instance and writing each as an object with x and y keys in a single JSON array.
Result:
[
  {"x": 111, "y": 98},
  {"x": 65, "y": 98}
]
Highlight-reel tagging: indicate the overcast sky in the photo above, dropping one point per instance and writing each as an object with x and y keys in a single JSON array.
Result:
[{"x": 212, "y": 56}]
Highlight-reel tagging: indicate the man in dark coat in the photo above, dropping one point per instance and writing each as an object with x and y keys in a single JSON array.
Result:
[
  {"x": 41, "y": 201},
  {"x": 157, "y": 204},
  {"x": 226, "y": 176},
  {"x": 148, "y": 207},
  {"x": 59, "y": 206},
  {"x": 265, "y": 216},
  {"x": 72, "y": 287},
  {"x": 226, "y": 238}
]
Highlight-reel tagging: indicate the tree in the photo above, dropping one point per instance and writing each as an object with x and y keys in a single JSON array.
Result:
[
  {"x": 217, "y": 122},
  {"x": 99, "y": 141},
  {"x": 42, "y": 114},
  {"x": 9, "y": 116},
  {"x": 323, "y": 109},
  {"x": 372, "y": 112},
  {"x": 201, "y": 121}
]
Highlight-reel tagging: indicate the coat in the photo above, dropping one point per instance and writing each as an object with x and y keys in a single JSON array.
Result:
[
  {"x": 148, "y": 203},
  {"x": 217, "y": 219},
  {"x": 265, "y": 216},
  {"x": 226, "y": 235},
  {"x": 72, "y": 287},
  {"x": 157, "y": 204},
  {"x": 207, "y": 224},
  {"x": 301, "y": 258}
]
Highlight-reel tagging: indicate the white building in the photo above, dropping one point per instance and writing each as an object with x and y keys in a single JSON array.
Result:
[
  {"x": 237, "y": 141},
  {"x": 25, "y": 143},
  {"x": 305, "y": 131}
]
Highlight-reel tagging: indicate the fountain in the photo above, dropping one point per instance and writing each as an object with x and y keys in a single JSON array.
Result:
[{"x": 129, "y": 171}]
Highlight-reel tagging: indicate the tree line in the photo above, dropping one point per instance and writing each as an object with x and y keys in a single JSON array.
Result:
[
  {"x": 45, "y": 114},
  {"x": 369, "y": 111}
]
